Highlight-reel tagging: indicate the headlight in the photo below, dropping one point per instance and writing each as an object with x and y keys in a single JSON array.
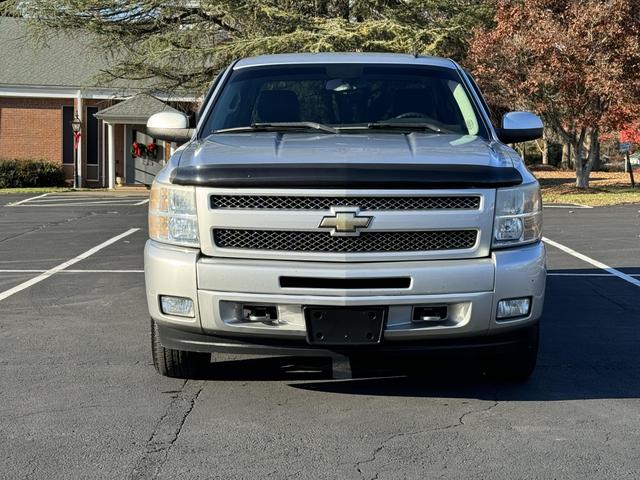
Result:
[
  {"x": 172, "y": 215},
  {"x": 518, "y": 216}
]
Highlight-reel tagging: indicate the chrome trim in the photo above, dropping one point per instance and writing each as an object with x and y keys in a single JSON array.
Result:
[{"x": 382, "y": 221}]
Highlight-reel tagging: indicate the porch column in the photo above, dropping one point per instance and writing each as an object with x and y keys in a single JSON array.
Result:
[
  {"x": 111, "y": 155},
  {"x": 80, "y": 113}
]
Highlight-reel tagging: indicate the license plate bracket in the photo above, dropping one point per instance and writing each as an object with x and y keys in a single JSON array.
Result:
[{"x": 344, "y": 325}]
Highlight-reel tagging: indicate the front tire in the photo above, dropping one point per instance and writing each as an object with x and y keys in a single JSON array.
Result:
[
  {"x": 176, "y": 363},
  {"x": 517, "y": 366}
]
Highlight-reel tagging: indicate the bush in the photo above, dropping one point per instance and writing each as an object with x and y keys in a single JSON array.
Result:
[{"x": 30, "y": 173}]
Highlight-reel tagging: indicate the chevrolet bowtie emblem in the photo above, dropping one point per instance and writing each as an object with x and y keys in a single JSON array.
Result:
[{"x": 343, "y": 224}]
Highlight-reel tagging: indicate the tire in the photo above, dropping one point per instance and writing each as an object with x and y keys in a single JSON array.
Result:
[
  {"x": 516, "y": 366},
  {"x": 177, "y": 363}
]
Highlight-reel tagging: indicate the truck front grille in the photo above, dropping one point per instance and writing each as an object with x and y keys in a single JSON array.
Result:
[
  {"x": 304, "y": 241},
  {"x": 432, "y": 202}
]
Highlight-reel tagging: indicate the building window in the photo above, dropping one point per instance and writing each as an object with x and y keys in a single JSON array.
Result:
[
  {"x": 67, "y": 135},
  {"x": 92, "y": 144}
]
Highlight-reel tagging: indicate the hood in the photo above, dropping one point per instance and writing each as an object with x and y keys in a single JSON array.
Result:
[
  {"x": 372, "y": 148},
  {"x": 372, "y": 160}
]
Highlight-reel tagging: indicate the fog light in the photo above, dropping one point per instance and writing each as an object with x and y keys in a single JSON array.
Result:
[
  {"x": 513, "y": 307},
  {"x": 182, "y": 307}
]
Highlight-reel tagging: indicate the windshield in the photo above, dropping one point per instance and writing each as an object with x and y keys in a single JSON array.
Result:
[{"x": 347, "y": 97}]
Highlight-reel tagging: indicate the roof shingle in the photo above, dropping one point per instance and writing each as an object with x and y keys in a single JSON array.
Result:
[{"x": 136, "y": 109}]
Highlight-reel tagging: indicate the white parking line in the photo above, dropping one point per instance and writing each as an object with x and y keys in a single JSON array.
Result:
[
  {"x": 595, "y": 263},
  {"x": 52, "y": 200},
  {"x": 569, "y": 205},
  {"x": 70, "y": 271},
  {"x": 565, "y": 274},
  {"x": 103, "y": 271},
  {"x": 52, "y": 271},
  {"x": 57, "y": 198},
  {"x": 26, "y": 200},
  {"x": 124, "y": 203}
]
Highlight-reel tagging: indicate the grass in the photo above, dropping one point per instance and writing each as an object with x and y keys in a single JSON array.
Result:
[
  {"x": 594, "y": 197},
  {"x": 4, "y": 191},
  {"x": 605, "y": 188}
]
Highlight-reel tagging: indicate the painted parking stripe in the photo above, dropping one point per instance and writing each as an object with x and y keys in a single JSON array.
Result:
[
  {"x": 563, "y": 274},
  {"x": 572, "y": 206},
  {"x": 123, "y": 203},
  {"x": 74, "y": 198},
  {"x": 52, "y": 271},
  {"x": 595, "y": 263},
  {"x": 69, "y": 270},
  {"x": 103, "y": 271},
  {"x": 26, "y": 200},
  {"x": 53, "y": 200},
  {"x": 79, "y": 202}
]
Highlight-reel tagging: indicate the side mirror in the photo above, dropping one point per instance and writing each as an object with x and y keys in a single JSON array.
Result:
[
  {"x": 170, "y": 126},
  {"x": 520, "y": 127}
]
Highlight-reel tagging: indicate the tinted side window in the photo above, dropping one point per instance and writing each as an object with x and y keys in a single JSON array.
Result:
[
  {"x": 478, "y": 92},
  {"x": 209, "y": 94}
]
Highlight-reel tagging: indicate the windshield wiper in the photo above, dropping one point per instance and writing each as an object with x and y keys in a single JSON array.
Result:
[
  {"x": 278, "y": 126},
  {"x": 406, "y": 126}
]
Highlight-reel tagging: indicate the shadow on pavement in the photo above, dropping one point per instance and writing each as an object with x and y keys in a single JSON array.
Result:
[
  {"x": 590, "y": 349},
  {"x": 270, "y": 369}
]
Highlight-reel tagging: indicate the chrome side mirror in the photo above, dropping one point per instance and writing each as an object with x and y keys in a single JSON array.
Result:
[
  {"x": 171, "y": 126},
  {"x": 520, "y": 127}
]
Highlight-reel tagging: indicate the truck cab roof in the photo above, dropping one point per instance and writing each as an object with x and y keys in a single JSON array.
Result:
[{"x": 369, "y": 58}]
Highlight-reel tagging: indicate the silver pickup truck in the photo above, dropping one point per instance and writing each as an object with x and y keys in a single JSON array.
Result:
[{"x": 359, "y": 205}]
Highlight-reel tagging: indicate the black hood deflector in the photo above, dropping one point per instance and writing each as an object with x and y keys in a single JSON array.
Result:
[{"x": 353, "y": 175}]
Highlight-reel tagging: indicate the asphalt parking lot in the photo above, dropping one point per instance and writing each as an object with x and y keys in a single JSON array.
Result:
[{"x": 79, "y": 397}]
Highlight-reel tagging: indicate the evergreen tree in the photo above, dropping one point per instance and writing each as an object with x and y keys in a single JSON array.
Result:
[{"x": 185, "y": 43}]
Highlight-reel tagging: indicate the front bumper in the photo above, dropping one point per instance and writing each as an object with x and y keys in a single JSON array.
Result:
[
  {"x": 504, "y": 342},
  {"x": 220, "y": 287}
]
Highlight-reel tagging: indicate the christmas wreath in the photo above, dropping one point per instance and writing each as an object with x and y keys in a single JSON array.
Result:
[
  {"x": 138, "y": 150},
  {"x": 152, "y": 150}
]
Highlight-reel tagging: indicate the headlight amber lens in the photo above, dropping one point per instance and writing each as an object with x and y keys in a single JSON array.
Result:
[{"x": 172, "y": 215}]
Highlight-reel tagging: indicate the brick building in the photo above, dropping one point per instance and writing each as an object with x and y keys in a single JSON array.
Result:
[{"x": 42, "y": 88}]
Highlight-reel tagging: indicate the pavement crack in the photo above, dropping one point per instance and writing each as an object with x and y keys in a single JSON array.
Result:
[
  {"x": 482, "y": 410},
  {"x": 374, "y": 455},
  {"x": 167, "y": 431}
]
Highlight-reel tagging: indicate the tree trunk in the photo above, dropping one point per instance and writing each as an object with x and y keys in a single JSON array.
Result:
[
  {"x": 597, "y": 162},
  {"x": 585, "y": 166},
  {"x": 594, "y": 151},
  {"x": 582, "y": 176},
  {"x": 543, "y": 147},
  {"x": 566, "y": 156}
]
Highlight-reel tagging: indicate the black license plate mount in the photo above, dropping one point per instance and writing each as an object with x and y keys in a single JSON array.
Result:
[{"x": 336, "y": 326}]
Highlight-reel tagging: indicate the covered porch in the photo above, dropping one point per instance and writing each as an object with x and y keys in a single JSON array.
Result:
[{"x": 133, "y": 158}]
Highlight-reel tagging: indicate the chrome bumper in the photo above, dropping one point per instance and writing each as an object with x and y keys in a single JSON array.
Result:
[{"x": 220, "y": 286}]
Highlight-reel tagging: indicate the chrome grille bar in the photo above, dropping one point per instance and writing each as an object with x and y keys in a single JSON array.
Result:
[
  {"x": 434, "y": 202},
  {"x": 305, "y": 241}
]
